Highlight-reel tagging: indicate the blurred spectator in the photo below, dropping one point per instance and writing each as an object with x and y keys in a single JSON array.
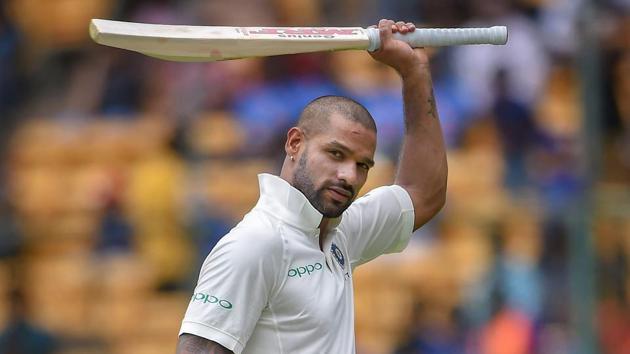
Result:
[
  {"x": 116, "y": 233},
  {"x": 515, "y": 278},
  {"x": 558, "y": 19},
  {"x": 554, "y": 264},
  {"x": 617, "y": 72},
  {"x": 517, "y": 131},
  {"x": 153, "y": 198},
  {"x": 613, "y": 276},
  {"x": 122, "y": 92},
  {"x": 614, "y": 326},
  {"x": 454, "y": 103},
  {"x": 508, "y": 332},
  {"x": 555, "y": 167},
  {"x": 10, "y": 83},
  {"x": 11, "y": 241},
  {"x": 21, "y": 336},
  {"x": 435, "y": 331},
  {"x": 477, "y": 66}
]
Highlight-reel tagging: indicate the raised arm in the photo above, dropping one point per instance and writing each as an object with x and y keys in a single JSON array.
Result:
[
  {"x": 422, "y": 168},
  {"x": 191, "y": 344}
]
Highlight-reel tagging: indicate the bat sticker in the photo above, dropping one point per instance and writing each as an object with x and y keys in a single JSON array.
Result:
[{"x": 305, "y": 32}]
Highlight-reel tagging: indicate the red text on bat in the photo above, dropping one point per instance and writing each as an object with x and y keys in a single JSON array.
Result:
[{"x": 306, "y": 31}]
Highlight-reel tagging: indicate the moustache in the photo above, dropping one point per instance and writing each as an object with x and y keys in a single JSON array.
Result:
[{"x": 342, "y": 185}]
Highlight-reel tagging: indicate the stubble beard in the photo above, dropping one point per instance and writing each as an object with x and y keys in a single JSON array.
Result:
[{"x": 303, "y": 182}]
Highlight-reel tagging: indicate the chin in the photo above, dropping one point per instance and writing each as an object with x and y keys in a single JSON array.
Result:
[
  {"x": 334, "y": 211},
  {"x": 329, "y": 208},
  {"x": 333, "y": 215}
]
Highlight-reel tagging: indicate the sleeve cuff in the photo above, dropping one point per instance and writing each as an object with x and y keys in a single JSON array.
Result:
[
  {"x": 213, "y": 334},
  {"x": 407, "y": 218}
]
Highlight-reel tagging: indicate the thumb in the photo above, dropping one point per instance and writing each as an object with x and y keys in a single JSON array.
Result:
[{"x": 385, "y": 31}]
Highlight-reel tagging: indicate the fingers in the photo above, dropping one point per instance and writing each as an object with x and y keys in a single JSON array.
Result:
[
  {"x": 385, "y": 29},
  {"x": 403, "y": 27},
  {"x": 400, "y": 27},
  {"x": 390, "y": 26}
]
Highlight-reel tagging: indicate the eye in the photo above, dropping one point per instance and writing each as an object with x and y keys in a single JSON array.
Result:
[
  {"x": 336, "y": 154},
  {"x": 364, "y": 166}
]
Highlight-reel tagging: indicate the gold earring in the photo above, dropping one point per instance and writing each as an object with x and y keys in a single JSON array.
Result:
[{"x": 292, "y": 159}]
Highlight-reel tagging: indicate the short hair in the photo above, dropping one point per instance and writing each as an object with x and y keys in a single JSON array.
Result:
[{"x": 315, "y": 117}]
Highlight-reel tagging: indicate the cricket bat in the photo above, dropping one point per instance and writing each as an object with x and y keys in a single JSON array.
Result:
[{"x": 213, "y": 43}]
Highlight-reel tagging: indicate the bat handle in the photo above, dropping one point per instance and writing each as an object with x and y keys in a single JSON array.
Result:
[{"x": 438, "y": 37}]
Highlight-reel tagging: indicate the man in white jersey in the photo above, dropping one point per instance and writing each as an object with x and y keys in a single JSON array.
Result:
[{"x": 280, "y": 282}]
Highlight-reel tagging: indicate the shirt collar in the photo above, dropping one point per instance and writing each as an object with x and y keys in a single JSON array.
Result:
[{"x": 288, "y": 204}]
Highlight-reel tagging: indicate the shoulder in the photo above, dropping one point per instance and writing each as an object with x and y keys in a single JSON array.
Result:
[
  {"x": 392, "y": 196},
  {"x": 251, "y": 254},
  {"x": 252, "y": 240},
  {"x": 377, "y": 209}
]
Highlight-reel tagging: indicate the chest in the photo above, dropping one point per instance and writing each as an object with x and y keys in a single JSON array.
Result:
[{"x": 317, "y": 286}]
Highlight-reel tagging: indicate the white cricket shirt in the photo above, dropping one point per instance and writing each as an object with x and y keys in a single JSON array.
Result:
[{"x": 267, "y": 288}]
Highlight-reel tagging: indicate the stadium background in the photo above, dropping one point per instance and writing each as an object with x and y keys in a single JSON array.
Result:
[{"x": 119, "y": 172}]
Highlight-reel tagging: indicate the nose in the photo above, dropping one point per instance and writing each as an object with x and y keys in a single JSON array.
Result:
[{"x": 347, "y": 172}]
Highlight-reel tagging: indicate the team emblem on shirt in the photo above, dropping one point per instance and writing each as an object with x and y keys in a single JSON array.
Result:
[{"x": 338, "y": 255}]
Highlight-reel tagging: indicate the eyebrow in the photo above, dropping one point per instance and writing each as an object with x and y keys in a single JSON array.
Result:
[{"x": 340, "y": 146}]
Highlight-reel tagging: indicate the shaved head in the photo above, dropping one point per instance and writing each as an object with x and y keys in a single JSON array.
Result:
[
  {"x": 330, "y": 152},
  {"x": 315, "y": 118}
]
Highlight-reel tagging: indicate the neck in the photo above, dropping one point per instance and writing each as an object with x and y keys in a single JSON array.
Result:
[
  {"x": 287, "y": 174},
  {"x": 323, "y": 231}
]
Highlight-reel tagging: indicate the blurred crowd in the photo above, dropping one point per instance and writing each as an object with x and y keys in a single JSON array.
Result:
[{"x": 120, "y": 172}]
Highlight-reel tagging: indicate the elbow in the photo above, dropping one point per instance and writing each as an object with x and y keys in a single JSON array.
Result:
[
  {"x": 437, "y": 202},
  {"x": 427, "y": 207},
  {"x": 441, "y": 193},
  {"x": 429, "y": 198},
  {"x": 441, "y": 200}
]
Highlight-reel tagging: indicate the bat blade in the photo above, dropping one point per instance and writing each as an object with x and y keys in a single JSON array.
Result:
[{"x": 213, "y": 43}]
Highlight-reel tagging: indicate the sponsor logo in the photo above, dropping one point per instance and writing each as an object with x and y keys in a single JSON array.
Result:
[
  {"x": 306, "y": 32},
  {"x": 338, "y": 255},
  {"x": 211, "y": 299},
  {"x": 305, "y": 270}
]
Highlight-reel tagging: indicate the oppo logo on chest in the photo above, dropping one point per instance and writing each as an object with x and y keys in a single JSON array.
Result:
[{"x": 304, "y": 271}]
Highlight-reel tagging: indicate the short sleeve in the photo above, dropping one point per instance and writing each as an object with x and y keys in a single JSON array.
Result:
[
  {"x": 233, "y": 289},
  {"x": 379, "y": 222}
]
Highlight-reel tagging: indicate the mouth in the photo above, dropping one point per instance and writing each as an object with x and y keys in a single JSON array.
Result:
[{"x": 339, "y": 194}]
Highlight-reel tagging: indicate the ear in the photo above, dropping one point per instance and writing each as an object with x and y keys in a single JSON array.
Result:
[{"x": 295, "y": 140}]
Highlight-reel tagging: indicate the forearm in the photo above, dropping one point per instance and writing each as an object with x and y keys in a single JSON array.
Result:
[
  {"x": 422, "y": 167},
  {"x": 191, "y": 344}
]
